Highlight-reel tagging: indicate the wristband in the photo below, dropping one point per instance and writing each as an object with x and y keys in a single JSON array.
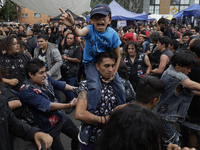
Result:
[
  {"x": 71, "y": 26},
  {"x": 74, "y": 29},
  {"x": 105, "y": 118}
]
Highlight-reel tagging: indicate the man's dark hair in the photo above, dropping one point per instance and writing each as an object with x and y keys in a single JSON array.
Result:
[
  {"x": 107, "y": 54},
  {"x": 195, "y": 47},
  {"x": 163, "y": 21},
  {"x": 116, "y": 29},
  {"x": 33, "y": 66},
  {"x": 131, "y": 26},
  {"x": 122, "y": 70},
  {"x": 125, "y": 29},
  {"x": 43, "y": 36},
  {"x": 183, "y": 27},
  {"x": 141, "y": 24},
  {"x": 183, "y": 58},
  {"x": 187, "y": 34},
  {"x": 126, "y": 124},
  {"x": 20, "y": 35},
  {"x": 154, "y": 35},
  {"x": 148, "y": 88},
  {"x": 164, "y": 40},
  {"x": 175, "y": 43}
]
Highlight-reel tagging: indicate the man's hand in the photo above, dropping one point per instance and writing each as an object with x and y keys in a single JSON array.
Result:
[
  {"x": 66, "y": 18},
  {"x": 46, "y": 138},
  {"x": 13, "y": 82},
  {"x": 64, "y": 57},
  {"x": 73, "y": 102},
  {"x": 176, "y": 147}
]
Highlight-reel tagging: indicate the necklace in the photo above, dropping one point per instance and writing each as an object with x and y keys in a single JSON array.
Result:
[{"x": 133, "y": 56}]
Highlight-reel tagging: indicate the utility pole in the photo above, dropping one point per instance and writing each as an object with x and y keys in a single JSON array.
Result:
[{"x": 7, "y": 10}]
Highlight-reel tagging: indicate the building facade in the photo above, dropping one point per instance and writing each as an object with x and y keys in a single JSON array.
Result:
[
  {"x": 166, "y": 6},
  {"x": 28, "y": 16}
]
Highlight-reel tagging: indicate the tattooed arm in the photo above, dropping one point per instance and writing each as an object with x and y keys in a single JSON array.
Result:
[{"x": 81, "y": 111}]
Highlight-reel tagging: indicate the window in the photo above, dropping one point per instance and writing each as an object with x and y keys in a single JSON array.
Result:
[
  {"x": 175, "y": 2},
  {"x": 24, "y": 15},
  {"x": 154, "y": 7},
  {"x": 180, "y": 4},
  {"x": 37, "y": 15}
]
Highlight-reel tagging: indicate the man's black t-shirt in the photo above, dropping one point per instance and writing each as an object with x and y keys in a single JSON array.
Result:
[
  {"x": 168, "y": 32},
  {"x": 43, "y": 57}
]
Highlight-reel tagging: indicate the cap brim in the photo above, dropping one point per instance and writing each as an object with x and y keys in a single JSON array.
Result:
[{"x": 103, "y": 13}]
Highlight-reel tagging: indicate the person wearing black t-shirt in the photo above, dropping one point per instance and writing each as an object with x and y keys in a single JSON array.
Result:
[{"x": 163, "y": 24}]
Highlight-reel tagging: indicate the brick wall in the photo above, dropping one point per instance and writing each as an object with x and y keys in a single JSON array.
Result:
[{"x": 30, "y": 17}]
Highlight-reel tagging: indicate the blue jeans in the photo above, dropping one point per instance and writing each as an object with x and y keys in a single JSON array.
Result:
[
  {"x": 71, "y": 81},
  {"x": 94, "y": 87},
  {"x": 171, "y": 135}
]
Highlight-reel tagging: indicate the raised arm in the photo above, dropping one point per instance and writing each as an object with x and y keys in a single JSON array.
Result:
[{"x": 68, "y": 20}]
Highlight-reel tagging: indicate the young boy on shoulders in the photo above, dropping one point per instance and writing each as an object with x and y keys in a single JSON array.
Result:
[{"x": 99, "y": 37}]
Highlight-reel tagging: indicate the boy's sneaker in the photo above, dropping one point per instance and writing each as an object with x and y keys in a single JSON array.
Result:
[{"x": 84, "y": 133}]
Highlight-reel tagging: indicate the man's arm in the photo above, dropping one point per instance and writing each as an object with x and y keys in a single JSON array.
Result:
[
  {"x": 14, "y": 104},
  {"x": 81, "y": 111},
  {"x": 164, "y": 59},
  {"x": 147, "y": 63},
  {"x": 191, "y": 85},
  {"x": 58, "y": 106},
  {"x": 12, "y": 82},
  {"x": 68, "y": 20}
]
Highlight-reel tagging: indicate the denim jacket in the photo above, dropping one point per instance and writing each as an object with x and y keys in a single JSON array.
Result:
[
  {"x": 172, "y": 105},
  {"x": 39, "y": 99}
]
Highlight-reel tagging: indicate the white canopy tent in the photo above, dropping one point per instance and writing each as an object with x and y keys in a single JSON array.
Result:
[
  {"x": 158, "y": 16},
  {"x": 50, "y": 7}
]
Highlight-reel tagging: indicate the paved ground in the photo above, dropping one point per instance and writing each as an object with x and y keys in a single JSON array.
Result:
[{"x": 20, "y": 144}]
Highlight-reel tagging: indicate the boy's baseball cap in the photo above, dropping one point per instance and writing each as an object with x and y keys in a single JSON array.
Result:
[{"x": 100, "y": 9}]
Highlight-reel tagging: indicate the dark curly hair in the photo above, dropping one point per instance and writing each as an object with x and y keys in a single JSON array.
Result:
[
  {"x": 131, "y": 128},
  {"x": 8, "y": 41},
  {"x": 131, "y": 43},
  {"x": 154, "y": 36}
]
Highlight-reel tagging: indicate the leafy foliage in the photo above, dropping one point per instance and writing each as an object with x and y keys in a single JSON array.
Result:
[{"x": 12, "y": 7}]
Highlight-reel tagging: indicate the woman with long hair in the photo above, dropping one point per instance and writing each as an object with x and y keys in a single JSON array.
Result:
[
  {"x": 71, "y": 56},
  {"x": 137, "y": 63}
]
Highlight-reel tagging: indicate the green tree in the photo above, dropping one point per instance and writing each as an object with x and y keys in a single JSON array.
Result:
[{"x": 12, "y": 7}]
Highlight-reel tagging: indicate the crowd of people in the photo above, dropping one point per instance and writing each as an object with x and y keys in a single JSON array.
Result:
[{"x": 134, "y": 87}]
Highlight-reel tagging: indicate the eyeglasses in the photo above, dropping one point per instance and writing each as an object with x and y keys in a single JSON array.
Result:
[
  {"x": 99, "y": 16},
  {"x": 125, "y": 39}
]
